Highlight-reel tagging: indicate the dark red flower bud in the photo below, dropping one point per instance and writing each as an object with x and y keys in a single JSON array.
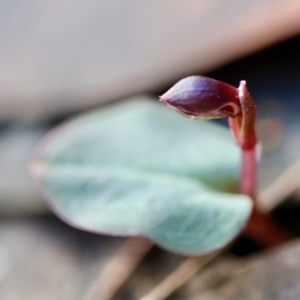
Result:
[{"x": 199, "y": 97}]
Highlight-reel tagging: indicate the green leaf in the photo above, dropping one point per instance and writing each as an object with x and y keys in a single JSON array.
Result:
[{"x": 140, "y": 169}]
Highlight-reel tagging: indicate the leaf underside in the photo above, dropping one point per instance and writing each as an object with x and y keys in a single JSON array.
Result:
[{"x": 140, "y": 169}]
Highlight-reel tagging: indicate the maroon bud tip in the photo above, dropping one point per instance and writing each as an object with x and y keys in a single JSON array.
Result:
[
  {"x": 161, "y": 99},
  {"x": 203, "y": 98}
]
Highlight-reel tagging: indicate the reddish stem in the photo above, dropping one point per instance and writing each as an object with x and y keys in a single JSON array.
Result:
[
  {"x": 248, "y": 173},
  {"x": 262, "y": 227}
]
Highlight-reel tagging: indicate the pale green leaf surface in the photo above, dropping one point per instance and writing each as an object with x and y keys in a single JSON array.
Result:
[{"x": 141, "y": 169}]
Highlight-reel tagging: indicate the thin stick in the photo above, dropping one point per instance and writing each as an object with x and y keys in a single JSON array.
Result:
[
  {"x": 118, "y": 269},
  {"x": 281, "y": 188},
  {"x": 182, "y": 274}
]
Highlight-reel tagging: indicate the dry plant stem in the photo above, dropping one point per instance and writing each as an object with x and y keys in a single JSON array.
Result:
[
  {"x": 119, "y": 268},
  {"x": 182, "y": 274}
]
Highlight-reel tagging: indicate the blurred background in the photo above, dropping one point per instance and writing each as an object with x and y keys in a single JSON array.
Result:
[{"x": 60, "y": 58}]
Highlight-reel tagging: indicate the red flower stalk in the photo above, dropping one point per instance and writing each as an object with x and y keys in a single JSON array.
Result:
[{"x": 199, "y": 97}]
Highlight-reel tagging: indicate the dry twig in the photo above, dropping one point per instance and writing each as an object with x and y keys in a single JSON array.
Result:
[
  {"x": 281, "y": 188},
  {"x": 119, "y": 268},
  {"x": 181, "y": 275}
]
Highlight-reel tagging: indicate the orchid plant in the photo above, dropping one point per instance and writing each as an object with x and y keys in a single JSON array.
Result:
[{"x": 137, "y": 169}]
